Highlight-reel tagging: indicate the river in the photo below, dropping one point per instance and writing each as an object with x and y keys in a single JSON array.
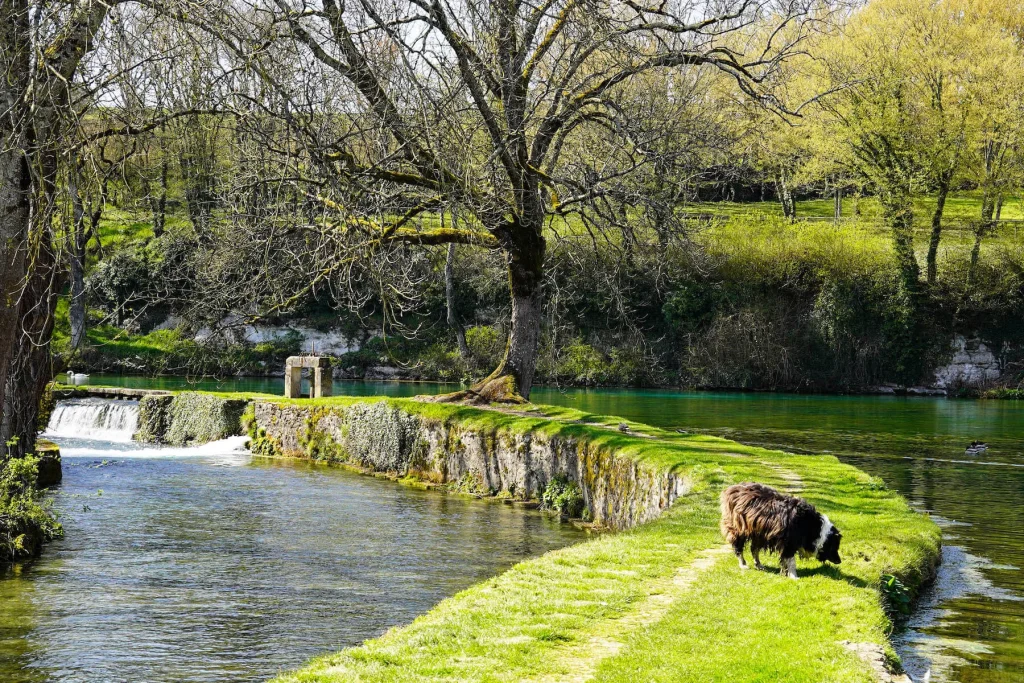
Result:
[
  {"x": 204, "y": 564},
  {"x": 970, "y": 628}
]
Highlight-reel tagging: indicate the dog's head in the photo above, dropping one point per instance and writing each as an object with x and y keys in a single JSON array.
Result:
[{"x": 829, "y": 550}]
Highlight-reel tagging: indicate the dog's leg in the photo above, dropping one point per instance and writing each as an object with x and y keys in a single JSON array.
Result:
[
  {"x": 787, "y": 566},
  {"x": 737, "y": 547},
  {"x": 755, "y": 550}
]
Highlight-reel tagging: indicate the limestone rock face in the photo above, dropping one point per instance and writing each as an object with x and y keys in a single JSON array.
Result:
[
  {"x": 973, "y": 364},
  {"x": 618, "y": 491}
]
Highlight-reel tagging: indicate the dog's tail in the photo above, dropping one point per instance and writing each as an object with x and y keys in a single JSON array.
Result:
[{"x": 728, "y": 505}]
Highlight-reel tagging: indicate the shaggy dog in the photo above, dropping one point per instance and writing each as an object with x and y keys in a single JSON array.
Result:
[{"x": 778, "y": 523}]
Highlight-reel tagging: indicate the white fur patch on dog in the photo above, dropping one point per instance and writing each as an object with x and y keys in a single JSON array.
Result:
[{"x": 826, "y": 529}]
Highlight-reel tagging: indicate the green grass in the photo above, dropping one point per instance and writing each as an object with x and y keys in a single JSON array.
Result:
[
  {"x": 661, "y": 602},
  {"x": 960, "y": 206},
  {"x": 120, "y": 227}
]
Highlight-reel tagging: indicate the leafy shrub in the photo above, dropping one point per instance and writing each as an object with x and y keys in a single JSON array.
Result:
[
  {"x": 564, "y": 496},
  {"x": 581, "y": 363},
  {"x": 1005, "y": 393},
  {"x": 443, "y": 363},
  {"x": 486, "y": 347},
  {"x": 470, "y": 484},
  {"x": 25, "y": 523},
  {"x": 898, "y": 598}
]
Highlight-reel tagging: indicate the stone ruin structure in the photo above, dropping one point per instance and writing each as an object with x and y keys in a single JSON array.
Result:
[{"x": 320, "y": 376}]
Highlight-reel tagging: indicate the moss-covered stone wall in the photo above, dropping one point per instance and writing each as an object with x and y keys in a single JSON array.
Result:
[
  {"x": 188, "y": 418},
  {"x": 618, "y": 491}
]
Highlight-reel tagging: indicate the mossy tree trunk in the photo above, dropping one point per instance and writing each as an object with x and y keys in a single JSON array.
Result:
[
  {"x": 936, "y": 236},
  {"x": 14, "y": 172},
  {"x": 512, "y": 380},
  {"x": 898, "y": 211},
  {"x": 984, "y": 226}
]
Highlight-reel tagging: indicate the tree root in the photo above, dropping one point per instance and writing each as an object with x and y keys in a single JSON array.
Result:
[{"x": 500, "y": 389}]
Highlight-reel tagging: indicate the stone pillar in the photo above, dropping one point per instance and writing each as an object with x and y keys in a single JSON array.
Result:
[
  {"x": 321, "y": 384},
  {"x": 293, "y": 377}
]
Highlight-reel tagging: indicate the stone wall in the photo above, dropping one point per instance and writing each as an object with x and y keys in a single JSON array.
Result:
[
  {"x": 188, "y": 418},
  {"x": 618, "y": 491}
]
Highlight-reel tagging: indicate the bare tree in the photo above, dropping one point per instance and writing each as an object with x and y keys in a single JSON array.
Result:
[
  {"x": 397, "y": 111},
  {"x": 57, "y": 66},
  {"x": 42, "y": 50}
]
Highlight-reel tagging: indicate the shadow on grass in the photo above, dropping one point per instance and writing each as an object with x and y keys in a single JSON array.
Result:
[{"x": 830, "y": 571}]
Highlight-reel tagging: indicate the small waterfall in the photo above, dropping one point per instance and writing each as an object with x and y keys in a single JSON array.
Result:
[{"x": 94, "y": 418}]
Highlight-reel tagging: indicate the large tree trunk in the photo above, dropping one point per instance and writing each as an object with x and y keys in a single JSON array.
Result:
[
  {"x": 449, "y": 292},
  {"x": 32, "y": 367},
  {"x": 785, "y": 196},
  {"x": 14, "y": 172},
  {"x": 512, "y": 380},
  {"x": 988, "y": 206},
  {"x": 160, "y": 201},
  {"x": 936, "y": 237},
  {"x": 899, "y": 214}
]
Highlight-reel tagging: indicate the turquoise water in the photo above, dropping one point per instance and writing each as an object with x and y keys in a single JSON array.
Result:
[{"x": 971, "y": 628}]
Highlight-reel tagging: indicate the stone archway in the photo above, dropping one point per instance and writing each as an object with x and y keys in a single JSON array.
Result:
[{"x": 320, "y": 383}]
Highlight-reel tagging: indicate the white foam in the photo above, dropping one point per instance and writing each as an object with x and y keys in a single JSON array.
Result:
[
  {"x": 232, "y": 446},
  {"x": 91, "y": 418}
]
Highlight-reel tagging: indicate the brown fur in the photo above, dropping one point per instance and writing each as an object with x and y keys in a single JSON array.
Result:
[{"x": 773, "y": 521}]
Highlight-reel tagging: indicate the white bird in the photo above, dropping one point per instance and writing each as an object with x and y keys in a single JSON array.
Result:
[{"x": 77, "y": 379}]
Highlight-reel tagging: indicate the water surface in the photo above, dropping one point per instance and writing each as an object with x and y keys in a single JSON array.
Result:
[
  {"x": 203, "y": 565},
  {"x": 972, "y": 627}
]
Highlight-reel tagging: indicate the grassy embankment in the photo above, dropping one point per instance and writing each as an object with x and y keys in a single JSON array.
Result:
[{"x": 664, "y": 601}]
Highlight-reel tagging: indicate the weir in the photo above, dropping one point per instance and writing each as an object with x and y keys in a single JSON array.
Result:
[{"x": 94, "y": 418}]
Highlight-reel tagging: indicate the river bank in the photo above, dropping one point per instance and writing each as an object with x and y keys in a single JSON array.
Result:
[
  {"x": 631, "y": 605},
  {"x": 204, "y": 565},
  {"x": 647, "y": 599},
  {"x": 383, "y": 386}
]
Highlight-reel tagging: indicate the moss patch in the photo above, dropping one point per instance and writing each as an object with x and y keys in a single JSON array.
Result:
[
  {"x": 154, "y": 418},
  {"x": 190, "y": 417}
]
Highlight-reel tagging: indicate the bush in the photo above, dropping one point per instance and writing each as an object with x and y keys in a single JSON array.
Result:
[
  {"x": 486, "y": 347},
  {"x": 443, "y": 363},
  {"x": 25, "y": 523},
  {"x": 564, "y": 496}
]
